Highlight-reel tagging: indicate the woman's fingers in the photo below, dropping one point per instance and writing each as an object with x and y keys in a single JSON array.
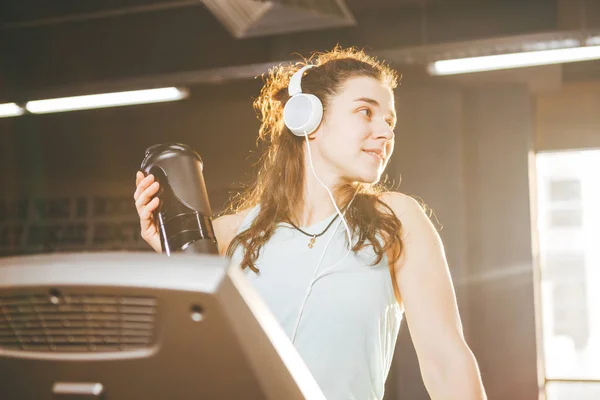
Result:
[
  {"x": 146, "y": 196},
  {"x": 146, "y": 204},
  {"x": 138, "y": 177},
  {"x": 142, "y": 185},
  {"x": 146, "y": 213}
]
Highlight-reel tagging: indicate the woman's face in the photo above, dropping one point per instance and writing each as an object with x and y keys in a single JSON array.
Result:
[{"x": 357, "y": 137}]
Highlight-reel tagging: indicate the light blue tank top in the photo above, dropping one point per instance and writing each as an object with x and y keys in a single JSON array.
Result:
[{"x": 344, "y": 320}]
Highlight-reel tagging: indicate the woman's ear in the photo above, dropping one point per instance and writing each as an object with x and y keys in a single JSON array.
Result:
[{"x": 319, "y": 131}]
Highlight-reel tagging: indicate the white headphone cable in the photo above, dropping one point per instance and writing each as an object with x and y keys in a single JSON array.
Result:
[
  {"x": 343, "y": 220},
  {"x": 326, "y": 188}
]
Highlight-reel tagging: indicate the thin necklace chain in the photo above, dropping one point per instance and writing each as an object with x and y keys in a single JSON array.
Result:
[{"x": 314, "y": 236}]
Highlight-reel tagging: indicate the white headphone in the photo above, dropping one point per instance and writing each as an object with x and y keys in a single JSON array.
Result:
[{"x": 303, "y": 112}]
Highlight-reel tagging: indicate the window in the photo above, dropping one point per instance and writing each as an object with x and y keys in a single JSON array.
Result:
[{"x": 568, "y": 227}]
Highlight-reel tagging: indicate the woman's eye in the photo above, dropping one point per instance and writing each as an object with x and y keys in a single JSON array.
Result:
[{"x": 367, "y": 113}]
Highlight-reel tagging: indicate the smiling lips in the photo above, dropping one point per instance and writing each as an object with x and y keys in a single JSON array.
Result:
[{"x": 378, "y": 153}]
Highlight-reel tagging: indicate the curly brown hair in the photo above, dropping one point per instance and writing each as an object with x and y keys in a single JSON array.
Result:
[{"x": 279, "y": 183}]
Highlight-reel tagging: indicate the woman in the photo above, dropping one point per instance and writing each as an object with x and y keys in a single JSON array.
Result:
[{"x": 315, "y": 192}]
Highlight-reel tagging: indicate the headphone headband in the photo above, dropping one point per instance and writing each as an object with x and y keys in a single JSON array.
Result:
[{"x": 295, "y": 81}]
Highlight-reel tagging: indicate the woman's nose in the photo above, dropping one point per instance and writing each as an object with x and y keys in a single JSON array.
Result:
[{"x": 384, "y": 130}]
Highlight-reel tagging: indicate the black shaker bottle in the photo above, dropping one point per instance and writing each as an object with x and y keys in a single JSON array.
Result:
[{"x": 184, "y": 214}]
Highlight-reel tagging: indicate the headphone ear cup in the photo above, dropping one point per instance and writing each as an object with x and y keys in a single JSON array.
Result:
[{"x": 303, "y": 113}]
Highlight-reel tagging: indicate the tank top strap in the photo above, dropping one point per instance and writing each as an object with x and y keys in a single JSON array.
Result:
[{"x": 249, "y": 218}]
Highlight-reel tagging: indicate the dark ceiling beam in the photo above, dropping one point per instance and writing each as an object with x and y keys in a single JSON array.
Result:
[
  {"x": 201, "y": 77},
  {"x": 410, "y": 61},
  {"x": 102, "y": 14}
]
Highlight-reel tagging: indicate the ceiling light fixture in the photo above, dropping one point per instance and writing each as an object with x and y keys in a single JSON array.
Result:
[
  {"x": 106, "y": 100},
  {"x": 10, "y": 110},
  {"x": 514, "y": 60}
]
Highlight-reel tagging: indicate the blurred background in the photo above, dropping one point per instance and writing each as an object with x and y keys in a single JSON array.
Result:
[{"x": 508, "y": 159}]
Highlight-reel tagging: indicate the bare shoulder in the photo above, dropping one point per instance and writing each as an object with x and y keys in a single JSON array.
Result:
[
  {"x": 401, "y": 203},
  {"x": 409, "y": 211},
  {"x": 226, "y": 227}
]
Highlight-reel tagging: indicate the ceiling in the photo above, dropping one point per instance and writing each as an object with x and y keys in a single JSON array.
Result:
[{"x": 73, "y": 45}]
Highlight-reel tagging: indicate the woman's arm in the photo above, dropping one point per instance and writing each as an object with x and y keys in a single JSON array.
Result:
[
  {"x": 448, "y": 367},
  {"x": 226, "y": 227}
]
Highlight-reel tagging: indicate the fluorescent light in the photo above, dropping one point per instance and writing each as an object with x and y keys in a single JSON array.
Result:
[
  {"x": 593, "y": 41},
  {"x": 515, "y": 60},
  {"x": 10, "y": 110},
  {"x": 106, "y": 100},
  {"x": 551, "y": 44}
]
